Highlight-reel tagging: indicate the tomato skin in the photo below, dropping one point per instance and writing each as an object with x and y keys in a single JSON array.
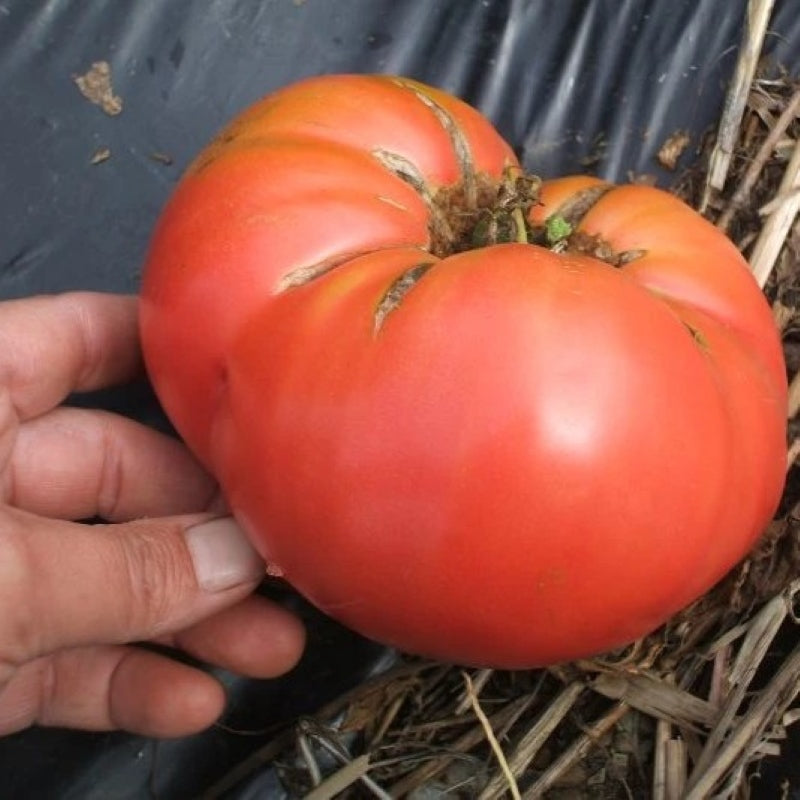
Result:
[{"x": 529, "y": 457}]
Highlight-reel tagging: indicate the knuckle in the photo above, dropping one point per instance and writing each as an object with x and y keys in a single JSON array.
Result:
[
  {"x": 112, "y": 473},
  {"x": 46, "y": 701},
  {"x": 157, "y": 579},
  {"x": 9, "y": 424},
  {"x": 87, "y": 345},
  {"x": 19, "y": 631}
]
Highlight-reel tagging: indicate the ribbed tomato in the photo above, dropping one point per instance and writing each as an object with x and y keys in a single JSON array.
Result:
[{"x": 469, "y": 415}]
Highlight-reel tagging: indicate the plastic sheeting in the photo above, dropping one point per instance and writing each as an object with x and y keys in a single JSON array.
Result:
[{"x": 574, "y": 85}]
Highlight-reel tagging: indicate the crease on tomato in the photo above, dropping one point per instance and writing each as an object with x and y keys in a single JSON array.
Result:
[
  {"x": 397, "y": 291},
  {"x": 308, "y": 273},
  {"x": 459, "y": 142}
]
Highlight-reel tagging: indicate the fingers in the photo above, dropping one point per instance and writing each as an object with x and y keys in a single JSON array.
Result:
[
  {"x": 109, "y": 687},
  {"x": 74, "y": 463},
  {"x": 65, "y": 585},
  {"x": 51, "y": 346},
  {"x": 255, "y": 637},
  {"x": 69, "y": 588}
]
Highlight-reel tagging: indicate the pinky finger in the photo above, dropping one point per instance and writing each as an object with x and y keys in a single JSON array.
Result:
[{"x": 108, "y": 688}]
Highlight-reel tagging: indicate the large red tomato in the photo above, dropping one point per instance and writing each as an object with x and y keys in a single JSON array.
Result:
[{"x": 469, "y": 416}]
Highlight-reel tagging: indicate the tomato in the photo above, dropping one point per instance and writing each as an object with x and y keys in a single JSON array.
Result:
[{"x": 470, "y": 416}]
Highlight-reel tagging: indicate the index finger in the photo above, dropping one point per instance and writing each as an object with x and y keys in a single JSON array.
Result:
[{"x": 53, "y": 345}]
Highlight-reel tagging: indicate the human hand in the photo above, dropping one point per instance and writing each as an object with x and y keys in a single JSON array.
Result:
[{"x": 166, "y": 569}]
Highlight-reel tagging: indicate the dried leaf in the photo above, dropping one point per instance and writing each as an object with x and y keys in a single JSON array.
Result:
[
  {"x": 672, "y": 149},
  {"x": 95, "y": 86}
]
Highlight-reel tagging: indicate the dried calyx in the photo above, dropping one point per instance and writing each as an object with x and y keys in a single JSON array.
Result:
[
  {"x": 484, "y": 211},
  {"x": 481, "y": 210}
]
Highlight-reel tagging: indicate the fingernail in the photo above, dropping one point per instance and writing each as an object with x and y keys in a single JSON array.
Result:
[{"x": 222, "y": 555}]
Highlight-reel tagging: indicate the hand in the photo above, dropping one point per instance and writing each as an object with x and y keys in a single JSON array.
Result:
[{"x": 168, "y": 569}]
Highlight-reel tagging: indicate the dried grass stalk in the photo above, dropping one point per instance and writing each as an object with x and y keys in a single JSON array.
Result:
[
  {"x": 660, "y": 757},
  {"x": 576, "y": 751},
  {"x": 780, "y": 220},
  {"x": 463, "y": 744},
  {"x": 655, "y": 697},
  {"x": 335, "y": 784},
  {"x": 760, "y": 635},
  {"x": 491, "y": 738},
  {"x": 534, "y": 739},
  {"x": 758, "y": 14},
  {"x": 741, "y": 744},
  {"x": 742, "y": 192},
  {"x": 677, "y": 769}
]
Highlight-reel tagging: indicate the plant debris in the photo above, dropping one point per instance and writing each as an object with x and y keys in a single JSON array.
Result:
[
  {"x": 162, "y": 158},
  {"x": 758, "y": 14},
  {"x": 100, "y": 155},
  {"x": 688, "y": 712},
  {"x": 673, "y": 149},
  {"x": 95, "y": 86}
]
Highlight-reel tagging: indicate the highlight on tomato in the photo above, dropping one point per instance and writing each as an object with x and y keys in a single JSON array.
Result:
[{"x": 468, "y": 413}]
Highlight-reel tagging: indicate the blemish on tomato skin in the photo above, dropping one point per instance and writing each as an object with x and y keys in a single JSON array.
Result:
[
  {"x": 300, "y": 276},
  {"x": 406, "y": 170},
  {"x": 698, "y": 337},
  {"x": 628, "y": 256},
  {"x": 391, "y": 202},
  {"x": 397, "y": 291},
  {"x": 579, "y": 204},
  {"x": 552, "y": 577},
  {"x": 214, "y": 151}
]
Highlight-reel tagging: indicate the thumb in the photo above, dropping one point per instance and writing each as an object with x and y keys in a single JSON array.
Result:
[{"x": 63, "y": 584}]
